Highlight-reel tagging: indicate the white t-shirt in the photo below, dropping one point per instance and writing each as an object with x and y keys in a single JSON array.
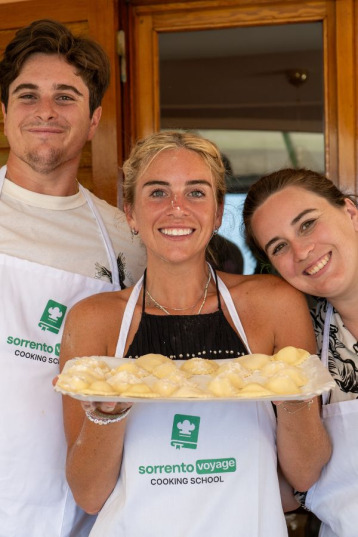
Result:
[{"x": 61, "y": 232}]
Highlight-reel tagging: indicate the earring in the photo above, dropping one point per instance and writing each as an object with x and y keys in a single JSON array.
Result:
[
  {"x": 216, "y": 231},
  {"x": 134, "y": 232}
]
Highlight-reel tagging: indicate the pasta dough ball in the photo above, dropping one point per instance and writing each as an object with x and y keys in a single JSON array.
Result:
[
  {"x": 131, "y": 367},
  {"x": 93, "y": 364},
  {"x": 291, "y": 355},
  {"x": 150, "y": 361},
  {"x": 189, "y": 390},
  {"x": 84, "y": 375},
  {"x": 254, "y": 389},
  {"x": 254, "y": 362},
  {"x": 199, "y": 366},
  {"x": 281, "y": 368},
  {"x": 138, "y": 390},
  {"x": 221, "y": 386},
  {"x": 99, "y": 387},
  {"x": 71, "y": 383},
  {"x": 121, "y": 380},
  {"x": 296, "y": 375},
  {"x": 282, "y": 385},
  {"x": 165, "y": 387},
  {"x": 233, "y": 367},
  {"x": 169, "y": 370},
  {"x": 272, "y": 368}
]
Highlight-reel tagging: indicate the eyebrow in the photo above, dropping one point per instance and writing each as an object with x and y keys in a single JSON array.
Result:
[
  {"x": 61, "y": 87},
  {"x": 293, "y": 222},
  {"x": 188, "y": 183}
]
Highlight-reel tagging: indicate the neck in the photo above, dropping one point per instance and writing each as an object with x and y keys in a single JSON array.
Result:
[
  {"x": 59, "y": 182},
  {"x": 188, "y": 295}
]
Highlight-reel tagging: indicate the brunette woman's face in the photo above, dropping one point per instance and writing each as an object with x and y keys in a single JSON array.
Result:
[
  {"x": 175, "y": 209},
  {"x": 310, "y": 242}
]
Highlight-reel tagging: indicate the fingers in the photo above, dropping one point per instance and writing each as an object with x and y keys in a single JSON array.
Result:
[{"x": 107, "y": 407}]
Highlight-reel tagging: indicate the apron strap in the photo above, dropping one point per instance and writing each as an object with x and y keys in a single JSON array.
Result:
[
  {"x": 129, "y": 311},
  {"x": 127, "y": 318},
  {"x": 224, "y": 291},
  {"x": 2, "y": 176},
  {"x": 325, "y": 346},
  {"x": 107, "y": 241}
]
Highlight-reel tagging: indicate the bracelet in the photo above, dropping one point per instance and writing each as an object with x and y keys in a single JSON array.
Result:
[
  {"x": 297, "y": 405},
  {"x": 100, "y": 418}
]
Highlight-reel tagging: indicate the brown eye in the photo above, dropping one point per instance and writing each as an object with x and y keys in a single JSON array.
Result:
[
  {"x": 307, "y": 224},
  {"x": 278, "y": 248}
]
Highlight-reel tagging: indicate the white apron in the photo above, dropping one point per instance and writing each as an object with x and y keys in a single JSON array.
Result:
[
  {"x": 334, "y": 498},
  {"x": 35, "y": 500},
  {"x": 195, "y": 469}
]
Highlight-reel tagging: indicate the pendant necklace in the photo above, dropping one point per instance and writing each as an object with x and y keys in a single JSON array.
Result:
[{"x": 165, "y": 309}]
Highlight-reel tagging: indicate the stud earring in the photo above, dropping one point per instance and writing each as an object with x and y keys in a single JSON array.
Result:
[{"x": 134, "y": 232}]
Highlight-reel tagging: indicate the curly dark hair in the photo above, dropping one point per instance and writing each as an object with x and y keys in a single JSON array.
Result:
[{"x": 47, "y": 36}]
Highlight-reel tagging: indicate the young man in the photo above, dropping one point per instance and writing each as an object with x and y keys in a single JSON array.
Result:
[{"x": 58, "y": 244}]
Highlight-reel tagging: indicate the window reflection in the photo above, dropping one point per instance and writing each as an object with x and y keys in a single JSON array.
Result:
[{"x": 255, "y": 91}]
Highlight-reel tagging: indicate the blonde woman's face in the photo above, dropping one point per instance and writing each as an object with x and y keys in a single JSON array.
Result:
[{"x": 175, "y": 208}]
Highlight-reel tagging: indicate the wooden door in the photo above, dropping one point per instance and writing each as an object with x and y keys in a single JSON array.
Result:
[
  {"x": 340, "y": 28},
  {"x": 99, "y": 20}
]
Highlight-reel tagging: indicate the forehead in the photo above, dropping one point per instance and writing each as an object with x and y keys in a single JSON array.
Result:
[
  {"x": 171, "y": 162},
  {"x": 48, "y": 70},
  {"x": 283, "y": 207},
  {"x": 292, "y": 198}
]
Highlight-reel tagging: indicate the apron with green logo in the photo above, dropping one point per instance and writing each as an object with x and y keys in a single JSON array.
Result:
[
  {"x": 201, "y": 469},
  {"x": 35, "y": 500},
  {"x": 334, "y": 498}
]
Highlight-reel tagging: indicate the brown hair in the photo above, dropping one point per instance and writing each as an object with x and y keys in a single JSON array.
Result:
[
  {"x": 276, "y": 181},
  {"x": 51, "y": 37},
  {"x": 147, "y": 148}
]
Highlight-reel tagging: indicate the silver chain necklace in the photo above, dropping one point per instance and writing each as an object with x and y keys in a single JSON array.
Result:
[{"x": 165, "y": 309}]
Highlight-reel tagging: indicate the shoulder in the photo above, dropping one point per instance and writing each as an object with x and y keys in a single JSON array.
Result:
[
  {"x": 109, "y": 211},
  {"x": 273, "y": 313},
  {"x": 99, "y": 308},
  {"x": 260, "y": 287},
  {"x": 266, "y": 299}
]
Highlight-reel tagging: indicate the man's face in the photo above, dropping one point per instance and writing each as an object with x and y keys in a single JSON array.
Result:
[{"x": 47, "y": 121}]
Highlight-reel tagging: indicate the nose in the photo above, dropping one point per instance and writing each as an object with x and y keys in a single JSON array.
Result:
[
  {"x": 301, "y": 249},
  {"x": 45, "y": 109},
  {"x": 177, "y": 205}
]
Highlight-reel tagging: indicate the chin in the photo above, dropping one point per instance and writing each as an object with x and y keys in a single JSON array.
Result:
[{"x": 44, "y": 163}]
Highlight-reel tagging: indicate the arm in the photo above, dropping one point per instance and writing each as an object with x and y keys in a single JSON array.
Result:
[
  {"x": 303, "y": 444},
  {"x": 94, "y": 451},
  {"x": 277, "y": 316},
  {"x": 288, "y": 500}
]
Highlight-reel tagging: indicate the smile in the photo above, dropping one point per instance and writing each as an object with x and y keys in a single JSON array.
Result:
[
  {"x": 319, "y": 266},
  {"x": 45, "y": 130},
  {"x": 176, "y": 232}
]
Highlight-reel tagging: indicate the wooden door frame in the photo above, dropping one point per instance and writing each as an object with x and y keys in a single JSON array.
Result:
[{"x": 340, "y": 52}]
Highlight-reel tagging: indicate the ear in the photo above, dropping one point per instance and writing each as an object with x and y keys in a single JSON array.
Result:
[
  {"x": 4, "y": 116},
  {"x": 352, "y": 211},
  {"x": 130, "y": 215},
  {"x": 219, "y": 215},
  {"x": 94, "y": 122}
]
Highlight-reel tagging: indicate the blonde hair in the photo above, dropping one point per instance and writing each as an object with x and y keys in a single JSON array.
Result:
[{"x": 146, "y": 149}]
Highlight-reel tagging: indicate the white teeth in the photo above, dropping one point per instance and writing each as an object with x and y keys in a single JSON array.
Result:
[
  {"x": 176, "y": 232},
  {"x": 319, "y": 266}
]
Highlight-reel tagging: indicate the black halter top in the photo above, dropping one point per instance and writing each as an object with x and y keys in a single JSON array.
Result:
[{"x": 181, "y": 337}]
